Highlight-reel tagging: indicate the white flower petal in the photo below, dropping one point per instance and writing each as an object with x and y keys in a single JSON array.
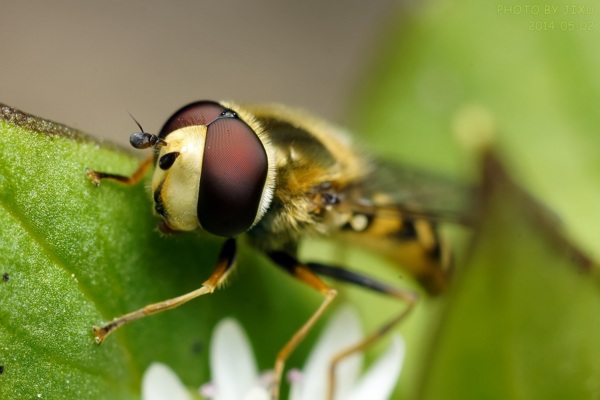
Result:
[
  {"x": 161, "y": 383},
  {"x": 379, "y": 381},
  {"x": 295, "y": 391},
  {"x": 295, "y": 378},
  {"x": 233, "y": 369},
  {"x": 342, "y": 331},
  {"x": 257, "y": 393}
]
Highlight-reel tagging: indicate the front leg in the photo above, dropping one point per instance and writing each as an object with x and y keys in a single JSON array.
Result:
[
  {"x": 224, "y": 265},
  {"x": 97, "y": 176}
]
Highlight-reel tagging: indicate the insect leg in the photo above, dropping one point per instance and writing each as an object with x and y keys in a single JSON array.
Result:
[
  {"x": 224, "y": 265},
  {"x": 304, "y": 274},
  {"x": 345, "y": 275},
  {"x": 96, "y": 176}
]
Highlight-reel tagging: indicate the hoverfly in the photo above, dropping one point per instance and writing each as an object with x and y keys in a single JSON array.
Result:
[{"x": 277, "y": 175}]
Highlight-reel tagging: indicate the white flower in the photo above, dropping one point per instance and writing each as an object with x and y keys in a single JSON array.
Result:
[
  {"x": 236, "y": 377},
  {"x": 160, "y": 383},
  {"x": 342, "y": 331},
  {"x": 232, "y": 365},
  {"x": 233, "y": 368}
]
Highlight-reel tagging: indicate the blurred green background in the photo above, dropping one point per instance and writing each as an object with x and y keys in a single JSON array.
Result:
[{"x": 412, "y": 79}]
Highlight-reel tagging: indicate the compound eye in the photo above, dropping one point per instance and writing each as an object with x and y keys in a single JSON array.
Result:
[
  {"x": 167, "y": 160},
  {"x": 198, "y": 113},
  {"x": 234, "y": 170}
]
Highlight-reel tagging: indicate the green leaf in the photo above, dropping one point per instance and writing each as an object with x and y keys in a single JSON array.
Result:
[
  {"x": 522, "y": 317},
  {"x": 75, "y": 255}
]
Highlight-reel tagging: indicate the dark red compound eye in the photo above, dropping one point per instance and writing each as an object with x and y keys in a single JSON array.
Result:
[
  {"x": 199, "y": 113},
  {"x": 234, "y": 170}
]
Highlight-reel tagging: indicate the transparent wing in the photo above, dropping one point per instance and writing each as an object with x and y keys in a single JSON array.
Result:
[{"x": 393, "y": 189}]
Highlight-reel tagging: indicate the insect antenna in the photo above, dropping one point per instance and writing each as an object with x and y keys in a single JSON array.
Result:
[{"x": 143, "y": 140}]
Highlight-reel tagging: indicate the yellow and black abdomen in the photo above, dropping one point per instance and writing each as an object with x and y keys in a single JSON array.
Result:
[{"x": 413, "y": 244}]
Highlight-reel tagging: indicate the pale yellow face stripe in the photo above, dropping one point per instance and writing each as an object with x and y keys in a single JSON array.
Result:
[{"x": 180, "y": 183}]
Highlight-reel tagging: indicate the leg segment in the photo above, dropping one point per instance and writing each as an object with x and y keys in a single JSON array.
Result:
[
  {"x": 301, "y": 272},
  {"x": 96, "y": 176},
  {"x": 219, "y": 275},
  {"x": 342, "y": 274}
]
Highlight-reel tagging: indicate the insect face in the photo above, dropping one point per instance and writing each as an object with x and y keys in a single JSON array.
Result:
[
  {"x": 177, "y": 178},
  {"x": 212, "y": 171}
]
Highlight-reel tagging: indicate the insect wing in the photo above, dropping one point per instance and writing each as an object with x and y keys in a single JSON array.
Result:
[{"x": 393, "y": 190}]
